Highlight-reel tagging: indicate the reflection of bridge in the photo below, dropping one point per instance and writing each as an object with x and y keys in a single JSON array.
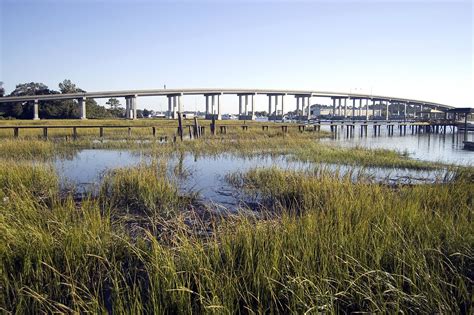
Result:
[{"x": 276, "y": 102}]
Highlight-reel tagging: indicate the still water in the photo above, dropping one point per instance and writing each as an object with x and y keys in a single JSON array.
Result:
[
  {"x": 206, "y": 174},
  {"x": 446, "y": 148}
]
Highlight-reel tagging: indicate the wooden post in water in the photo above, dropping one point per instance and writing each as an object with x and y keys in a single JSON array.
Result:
[
  {"x": 197, "y": 130},
  {"x": 180, "y": 126},
  {"x": 190, "y": 127},
  {"x": 213, "y": 125},
  {"x": 465, "y": 127}
]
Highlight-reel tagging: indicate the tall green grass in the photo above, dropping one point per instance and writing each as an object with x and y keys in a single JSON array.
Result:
[
  {"x": 332, "y": 246},
  {"x": 144, "y": 189},
  {"x": 37, "y": 180}
]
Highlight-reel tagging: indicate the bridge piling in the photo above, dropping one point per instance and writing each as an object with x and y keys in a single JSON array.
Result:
[
  {"x": 36, "y": 110},
  {"x": 82, "y": 107}
]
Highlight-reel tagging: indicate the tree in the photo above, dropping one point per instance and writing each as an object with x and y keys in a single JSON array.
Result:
[
  {"x": 32, "y": 88},
  {"x": 116, "y": 109},
  {"x": 2, "y": 90},
  {"x": 67, "y": 87},
  {"x": 25, "y": 110},
  {"x": 16, "y": 110},
  {"x": 113, "y": 103},
  {"x": 54, "y": 108}
]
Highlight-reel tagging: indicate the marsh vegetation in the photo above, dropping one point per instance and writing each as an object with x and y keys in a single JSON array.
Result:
[{"x": 317, "y": 242}]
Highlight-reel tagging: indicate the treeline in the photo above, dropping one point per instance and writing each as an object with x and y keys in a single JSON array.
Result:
[{"x": 56, "y": 109}]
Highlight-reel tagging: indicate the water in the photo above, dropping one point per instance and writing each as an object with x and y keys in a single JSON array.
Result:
[
  {"x": 206, "y": 174},
  {"x": 446, "y": 148}
]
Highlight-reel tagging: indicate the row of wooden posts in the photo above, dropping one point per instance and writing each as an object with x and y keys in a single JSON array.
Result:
[{"x": 195, "y": 130}]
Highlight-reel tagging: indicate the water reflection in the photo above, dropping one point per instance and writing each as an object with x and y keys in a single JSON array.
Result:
[
  {"x": 206, "y": 174},
  {"x": 446, "y": 148}
]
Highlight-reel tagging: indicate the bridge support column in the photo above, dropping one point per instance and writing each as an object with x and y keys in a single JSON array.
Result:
[
  {"x": 405, "y": 112},
  {"x": 219, "y": 117},
  {"x": 345, "y": 108},
  {"x": 269, "y": 106},
  {"x": 213, "y": 104},
  {"x": 207, "y": 104},
  {"x": 276, "y": 107},
  {"x": 253, "y": 106},
  {"x": 36, "y": 110},
  {"x": 282, "y": 106},
  {"x": 170, "y": 107},
  {"x": 82, "y": 107},
  {"x": 127, "y": 108},
  {"x": 244, "y": 113},
  {"x": 240, "y": 105},
  {"x": 386, "y": 110},
  {"x": 131, "y": 107},
  {"x": 175, "y": 106},
  {"x": 180, "y": 106},
  {"x": 360, "y": 107},
  {"x": 366, "y": 109},
  {"x": 353, "y": 108},
  {"x": 373, "y": 109},
  {"x": 297, "y": 106},
  {"x": 308, "y": 106},
  {"x": 333, "y": 107},
  {"x": 339, "y": 107},
  {"x": 246, "y": 105}
]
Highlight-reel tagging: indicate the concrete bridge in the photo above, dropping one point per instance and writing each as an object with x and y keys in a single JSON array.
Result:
[{"x": 276, "y": 105}]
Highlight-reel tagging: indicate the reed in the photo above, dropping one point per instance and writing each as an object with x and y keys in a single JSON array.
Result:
[
  {"x": 145, "y": 189},
  {"x": 324, "y": 244}
]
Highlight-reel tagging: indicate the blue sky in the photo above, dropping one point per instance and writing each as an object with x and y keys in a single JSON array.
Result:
[{"x": 409, "y": 49}]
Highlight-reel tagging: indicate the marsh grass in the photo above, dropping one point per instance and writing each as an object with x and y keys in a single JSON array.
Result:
[
  {"x": 303, "y": 147},
  {"x": 37, "y": 180},
  {"x": 144, "y": 189},
  {"x": 332, "y": 246}
]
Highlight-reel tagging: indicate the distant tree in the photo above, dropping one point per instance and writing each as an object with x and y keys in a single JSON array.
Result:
[
  {"x": 16, "y": 110},
  {"x": 2, "y": 90},
  {"x": 32, "y": 88},
  {"x": 113, "y": 103},
  {"x": 53, "y": 108},
  {"x": 95, "y": 110},
  {"x": 262, "y": 113},
  {"x": 67, "y": 87},
  {"x": 116, "y": 109},
  {"x": 25, "y": 110}
]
